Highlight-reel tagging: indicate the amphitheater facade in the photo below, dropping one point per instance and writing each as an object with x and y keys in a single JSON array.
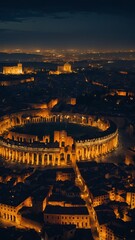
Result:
[{"x": 64, "y": 150}]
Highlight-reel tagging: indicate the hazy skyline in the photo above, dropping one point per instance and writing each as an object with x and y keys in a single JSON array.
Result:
[{"x": 98, "y": 24}]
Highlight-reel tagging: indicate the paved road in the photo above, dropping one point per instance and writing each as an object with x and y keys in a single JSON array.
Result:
[{"x": 87, "y": 197}]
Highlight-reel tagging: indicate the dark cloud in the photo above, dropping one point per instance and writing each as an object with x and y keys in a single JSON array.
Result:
[
  {"x": 65, "y": 23},
  {"x": 2, "y": 30},
  {"x": 18, "y": 10}
]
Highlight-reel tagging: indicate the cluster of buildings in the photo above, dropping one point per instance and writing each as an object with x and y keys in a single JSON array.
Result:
[
  {"x": 16, "y": 75},
  {"x": 40, "y": 194},
  {"x": 112, "y": 198},
  {"x": 51, "y": 199},
  {"x": 18, "y": 69}
]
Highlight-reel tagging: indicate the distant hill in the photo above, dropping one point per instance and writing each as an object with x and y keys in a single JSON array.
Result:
[{"x": 22, "y": 57}]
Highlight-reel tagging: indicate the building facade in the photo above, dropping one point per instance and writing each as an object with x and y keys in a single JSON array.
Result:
[
  {"x": 66, "y": 68},
  {"x": 13, "y": 69},
  {"x": 78, "y": 216}
]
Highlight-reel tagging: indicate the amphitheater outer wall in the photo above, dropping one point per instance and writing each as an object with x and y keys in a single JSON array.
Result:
[{"x": 41, "y": 155}]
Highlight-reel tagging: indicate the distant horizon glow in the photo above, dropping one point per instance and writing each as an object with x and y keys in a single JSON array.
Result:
[{"x": 71, "y": 50}]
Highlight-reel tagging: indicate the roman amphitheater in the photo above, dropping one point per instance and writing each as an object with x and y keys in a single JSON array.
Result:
[{"x": 60, "y": 147}]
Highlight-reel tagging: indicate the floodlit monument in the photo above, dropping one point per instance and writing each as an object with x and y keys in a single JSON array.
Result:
[
  {"x": 13, "y": 69},
  {"x": 59, "y": 148},
  {"x": 66, "y": 68}
]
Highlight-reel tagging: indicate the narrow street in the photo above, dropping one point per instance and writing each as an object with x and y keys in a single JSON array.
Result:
[{"x": 86, "y": 196}]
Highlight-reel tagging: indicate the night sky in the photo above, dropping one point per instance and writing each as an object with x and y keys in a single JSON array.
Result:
[{"x": 95, "y": 24}]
